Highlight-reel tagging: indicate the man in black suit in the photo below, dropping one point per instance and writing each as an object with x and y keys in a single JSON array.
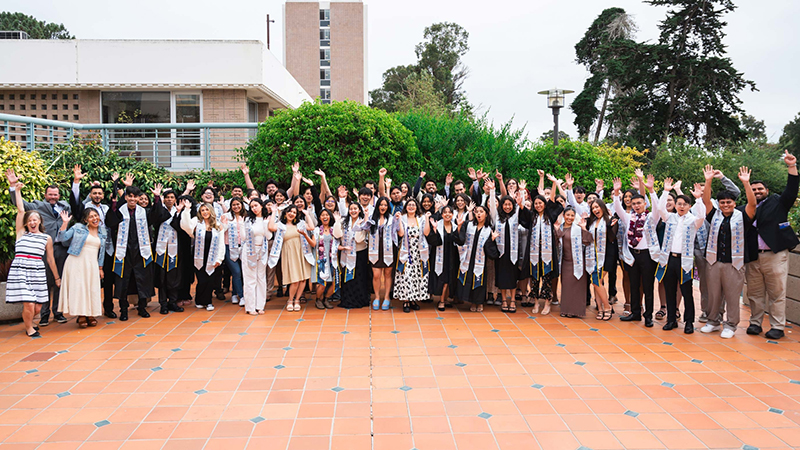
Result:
[
  {"x": 50, "y": 209},
  {"x": 770, "y": 241}
]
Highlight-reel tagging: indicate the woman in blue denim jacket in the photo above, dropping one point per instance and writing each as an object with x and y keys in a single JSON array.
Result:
[{"x": 83, "y": 270}]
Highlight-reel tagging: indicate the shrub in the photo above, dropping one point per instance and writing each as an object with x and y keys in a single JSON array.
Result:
[
  {"x": 31, "y": 171},
  {"x": 348, "y": 140}
]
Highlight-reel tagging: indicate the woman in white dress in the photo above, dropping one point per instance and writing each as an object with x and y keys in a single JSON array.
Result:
[
  {"x": 83, "y": 269},
  {"x": 412, "y": 258}
]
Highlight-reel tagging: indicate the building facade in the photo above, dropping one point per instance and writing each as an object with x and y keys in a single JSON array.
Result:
[{"x": 325, "y": 48}]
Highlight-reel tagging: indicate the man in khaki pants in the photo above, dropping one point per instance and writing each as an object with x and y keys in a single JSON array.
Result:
[{"x": 769, "y": 242}]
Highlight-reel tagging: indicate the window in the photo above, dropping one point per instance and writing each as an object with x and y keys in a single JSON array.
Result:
[
  {"x": 2, "y": 107},
  {"x": 54, "y": 117},
  {"x": 22, "y": 107},
  {"x": 65, "y": 117},
  {"x": 11, "y": 96},
  {"x": 53, "y": 97},
  {"x": 64, "y": 107},
  {"x": 325, "y": 54},
  {"x": 64, "y": 96},
  {"x": 325, "y": 94},
  {"x": 22, "y": 96},
  {"x": 324, "y": 14},
  {"x": 75, "y": 117},
  {"x": 44, "y": 107},
  {"x": 44, "y": 96},
  {"x": 325, "y": 34},
  {"x": 74, "y": 96},
  {"x": 136, "y": 107},
  {"x": 187, "y": 110},
  {"x": 33, "y": 107},
  {"x": 11, "y": 107},
  {"x": 54, "y": 107},
  {"x": 324, "y": 74},
  {"x": 74, "y": 107},
  {"x": 2, "y": 96}
]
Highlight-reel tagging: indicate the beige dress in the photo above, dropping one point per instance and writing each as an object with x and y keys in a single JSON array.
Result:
[
  {"x": 294, "y": 265},
  {"x": 80, "y": 281}
]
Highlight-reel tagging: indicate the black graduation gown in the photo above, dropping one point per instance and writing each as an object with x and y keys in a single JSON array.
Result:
[
  {"x": 552, "y": 210},
  {"x": 450, "y": 262},
  {"x": 468, "y": 292}
]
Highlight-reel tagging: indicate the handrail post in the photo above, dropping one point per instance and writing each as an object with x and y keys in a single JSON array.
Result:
[
  {"x": 155, "y": 150},
  {"x": 207, "y": 146},
  {"x": 104, "y": 135}
]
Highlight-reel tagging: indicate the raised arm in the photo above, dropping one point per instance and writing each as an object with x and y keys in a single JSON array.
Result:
[
  {"x": 382, "y": 182},
  {"x": 499, "y": 176},
  {"x": 188, "y": 223},
  {"x": 570, "y": 194},
  {"x": 708, "y": 173},
  {"x": 661, "y": 205},
  {"x": 325, "y": 190},
  {"x": 540, "y": 188},
  {"x": 727, "y": 183},
  {"x": 17, "y": 197},
  {"x": 418, "y": 185},
  {"x": 789, "y": 194},
  {"x": 294, "y": 189},
  {"x": 744, "y": 177},
  {"x": 247, "y": 180},
  {"x": 13, "y": 179},
  {"x": 618, "y": 208}
]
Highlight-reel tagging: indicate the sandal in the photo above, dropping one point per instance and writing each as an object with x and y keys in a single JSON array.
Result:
[
  {"x": 600, "y": 314},
  {"x": 441, "y": 306},
  {"x": 677, "y": 315},
  {"x": 512, "y": 307},
  {"x": 535, "y": 305},
  {"x": 479, "y": 308},
  {"x": 296, "y": 305},
  {"x": 607, "y": 314},
  {"x": 289, "y": 306},
  {"x": 473, "y": 308},
  {"x": 546, "y": 309},
  {"x": 504, "y": 306},
  {"x": 91, "y": 321},
  {"x": 82, "y": 322},
  {"x": 661, "y": 313}
]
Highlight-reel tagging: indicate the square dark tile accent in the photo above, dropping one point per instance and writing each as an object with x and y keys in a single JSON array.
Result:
[
  {"x": 39, "y": 357},
  {"x": 772, "y": 342},
  {"x": 460, "y": 364},
  {"x": 337, "y": 389},
  {"x": 580, "y": 363},
  {"x": 776, "y": 410},
  {"x": 300, "y": 320},
  {"x": 631, "y": 413},
  {"x": 452, "y": 346},
  {"x": 561, "y": 345},
  {"x": 395, "y": 332},
  {"x": 484, "y": 415},
  {"x": 697, "y": 361},
  {"x": 201, "y": 392},
  {"x": 257, "y": 419},
  {"x": 532, "y": 317},
  {"x": 749, "y": 447},
  {"x": 30, "y": 371},
  {"x": 176, "y": 349},
  {"x": 495, "y": 331},
  {"x": 584, "y": 448},
  {"x": 344, "y": 332},
  {"x": 157, "y": 369},
  {"x": 102, "y": 423},
  {"x": 405, "y": 388},
  {"x": 140, "y": 335},
  {"x": 669, "y": 385},
  {"x": 63, "y": 394},
  {"x": 62, "y": 352},
  {"x": 795, "y": 381},
  {"x": 279, "y": 367},
  {"x": 287, "y": 348},
  {"x": 440, "y": 318},
  {"x": 206, "y": 321},
  {"x": 537, "y": 386},
  {"x": 111, "y": 322},
  {"x": 243, "y": 333},
  {"x": 593, "y": 329},
  {"x": 666, "y": 343}
]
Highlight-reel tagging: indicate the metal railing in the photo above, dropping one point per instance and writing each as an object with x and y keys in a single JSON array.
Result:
[{"x": 175, "y": 146}]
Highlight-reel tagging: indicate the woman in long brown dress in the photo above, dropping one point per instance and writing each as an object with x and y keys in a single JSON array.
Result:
[{"x": 572, "y": 237}]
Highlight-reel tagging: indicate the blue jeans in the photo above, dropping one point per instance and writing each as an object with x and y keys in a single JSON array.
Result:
[{"x": 236, "y": 273}]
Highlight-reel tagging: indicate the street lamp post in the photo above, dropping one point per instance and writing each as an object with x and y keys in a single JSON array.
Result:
[{"x": 555, "y": 101}]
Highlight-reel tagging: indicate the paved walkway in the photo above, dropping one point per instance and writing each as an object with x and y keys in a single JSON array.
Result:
[{"x": 363, "y": 379}]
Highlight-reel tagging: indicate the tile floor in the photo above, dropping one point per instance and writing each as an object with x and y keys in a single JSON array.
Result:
[{"x": 364, "y": 379}]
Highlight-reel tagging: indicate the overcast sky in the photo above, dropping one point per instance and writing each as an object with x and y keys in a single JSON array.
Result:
[{"x": 517, "y": 48}]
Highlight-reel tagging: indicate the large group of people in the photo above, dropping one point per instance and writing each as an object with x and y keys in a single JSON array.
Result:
[{"x": 487, "y": 242}]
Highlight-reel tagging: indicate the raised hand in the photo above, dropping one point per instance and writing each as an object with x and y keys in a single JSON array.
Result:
[
  {"x": 639, "y": 174},
  {"x": 297, "y": 175},
  {"x": 337, "y": 216},
  {"x": 433, "y": 224},
  {"x": 341, "y": 191},
  {"x": 115, "y": 176},
  {"x": 77, "y": 173},
  {"x": 224, "y": 219},
  {"x": 617, "y": 185},
  {"x": 388, "y": 182},
  {"x": 179, "y": 206},
  {"x": 245, "y": 170},
  {"x": 397, "y": 215},
  {"x": 422, "y": 174},
  {"x": 523, "y": 184},
  {"x": 479, "y": 174},
  {"x": 495, "y": 235},
  {"x": 490, "y": 184},
  {"x": 668, "y": 184},
  {"x": 497, "y": 174},
  {"x": 471, "y": 173},
  {"x": 551, "y": 177},
  {"x": 190, "y": 185},
  {"x": 382, "y": 171},
  {"x": 540, "y": 172},
  {"x": 650, "y": 183},
  {"x": 582, "y": 223},
  {"x": 320, "y": 173},
  {"x": 677, "y": 186},
  {"x": 65, "y": 216},
  {"x": 470, "y": 207},
  {"x": 635, "y": 183},
  {"x": 187, "y": 203},
  {"x": 308, "y": 181},
  {"x": 355, "y": 192},
  {"x": 157, "y": 189},
  {"x": 448, "y": 179},
  {"x": 718, "y": 174},
  {"x": 697, "y": 191},
  {"x": 460, "y": 218},
  {"x": 789, "y": 159},
  {"x": 296, "y": 167},
  {"x": 744, "y": 174},
  {"x": 599, "y": 184},
  {"x": 12, "y": 177},
  {"x": 569, "y": 180},
  {"x": 708, "y": 172},
  {"x": 128, "y": 181}
]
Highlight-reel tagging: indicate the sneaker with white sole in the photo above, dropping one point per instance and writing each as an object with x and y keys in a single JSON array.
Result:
[
  {"x": 727, "y": 333},
  {"x": 234, "y": 299},
  {"x": 703, "y": 317},
  {"x": 210, "y": 308},
  {"x": 708, "y": 328},
  {"x": 199, "y": 306}
]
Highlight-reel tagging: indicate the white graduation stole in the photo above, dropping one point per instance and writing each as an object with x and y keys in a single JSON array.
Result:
[
  {"x": 308, "y": 252},
  {"x": 480, "y": 256},
  {"x": 652, "y": 238},
  {"x": 501, "y": 226},
  {"x": 737, "y": 238},
  {"x": 200, "y": 245},
  {"x": 596, "y": 252},
  {"x": 255, "y": 252},
  {"x": 348, "y": 260},
  {"x": 277, "y": 245},
  {"x": 388, "y": 254},
  {"x": 541, "y": 240},
  {"x": 687, "y": 247},
  {"x": 233, "y": 237},
  {"x": 622, "y": 243},
  {"x": 402, "y": 254},
  {"x": 122, "y": 238},
  {"x": 167, "y": 244},
  {"x": 439, "y": 263},
  {"x": 326, "y": 271},
  {"x": 576, "y": 239}
]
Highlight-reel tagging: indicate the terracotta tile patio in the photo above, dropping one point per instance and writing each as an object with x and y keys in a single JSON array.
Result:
[{"x": 364, "y": 379}]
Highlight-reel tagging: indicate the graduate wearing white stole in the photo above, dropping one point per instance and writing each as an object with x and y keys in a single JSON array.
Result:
[
  {"x": 253, "y": 253},
  {"x": 209, "y": 252},
  {"x": 574, "y": 237},
  {"x": 477, "y": 247},
  {"x": 444, "y": 257}
]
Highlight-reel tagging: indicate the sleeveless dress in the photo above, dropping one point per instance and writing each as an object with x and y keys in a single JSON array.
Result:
[
  {"x": 80, "y": 282},
  {"x": 27, "y": 278},
  {"x": 411, "y": 284},
  {"x": 295, "y": 267}
]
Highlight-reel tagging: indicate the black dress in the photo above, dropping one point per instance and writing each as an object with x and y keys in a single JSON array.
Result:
[
  {"x": 379, "y": 264},
  {"x": 526, "y": 217},
  {"x": 506, "y": 273},
  {"x": 468, "y": 292},
  {"x": 449, "y": 262}
]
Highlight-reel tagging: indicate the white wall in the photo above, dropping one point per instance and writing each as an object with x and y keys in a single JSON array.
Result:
[{"x": 123, "y": 63}]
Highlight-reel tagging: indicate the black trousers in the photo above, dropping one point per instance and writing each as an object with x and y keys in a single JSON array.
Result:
[
  {"x": 60, "y": 255},
  {"x": 672, "y": 279},
  {"x": 142, "y": 276},
  {"x": 612, "y": 273},
  {"x": 168, "y": 283},
  {"x": 109, "y": 279},
  {"x": 642, "y": 275},
  {"x": 186, "y": 268},
  {"x": 206, "y": 284}
]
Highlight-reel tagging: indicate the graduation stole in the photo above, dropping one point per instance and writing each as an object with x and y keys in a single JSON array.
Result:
[
  {"x": 326, "y": 263},
  {"x": 140, "y": 216},
  {"x": 254, "y": 252},
  {"x": 596, "y": 252},
  {"x": 200, "y": 246},
  {"x": 439, "y": 263},
  {"x": 622, "y": 243},
  {"x": 483, "y": 235},
  {"x": 541, "y": 240},
  {"x": 234, "y": 237},
  {"x": 348, "y": 260},
  {"x": 576, "y": 239},
  {"x": 501, "y": 228},
  {"x": 687, "y": 247},
  {"x": 388, "y": 254},
  {"x": 737, "y": 238},
  {"x": 402, "y": 254},
  {"x": 167, "y": 244}
]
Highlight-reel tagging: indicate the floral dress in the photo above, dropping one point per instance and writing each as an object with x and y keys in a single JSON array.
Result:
[{"x": 410, "y": 284}]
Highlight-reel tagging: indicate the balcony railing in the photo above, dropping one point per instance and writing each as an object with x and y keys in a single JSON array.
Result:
[{"x": 175, "y": 146}]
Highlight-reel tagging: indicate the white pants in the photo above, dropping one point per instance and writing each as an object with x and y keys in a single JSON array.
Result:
[{"x": 255, "y": 286}]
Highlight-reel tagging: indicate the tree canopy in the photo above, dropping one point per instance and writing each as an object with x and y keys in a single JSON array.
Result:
[{"x": 36, "y": 29}]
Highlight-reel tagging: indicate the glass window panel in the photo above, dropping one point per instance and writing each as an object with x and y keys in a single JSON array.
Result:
[
  {"x": 135, "y": 107},
  {"x": 187, "y": 110}
]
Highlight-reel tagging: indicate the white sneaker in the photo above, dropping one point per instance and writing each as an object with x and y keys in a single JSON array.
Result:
[
  {"x": 708, "y": 328},
  {"x": 210, "y": 308},
  {"x": 727, "y": 333},
  {"x": 199, "y": 306},
  {"x": 234, "y": 299},
  {"x": 703, "y": 318}
]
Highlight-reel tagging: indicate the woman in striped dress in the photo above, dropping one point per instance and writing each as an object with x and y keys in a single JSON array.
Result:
[{"x": 27, "y": 279}]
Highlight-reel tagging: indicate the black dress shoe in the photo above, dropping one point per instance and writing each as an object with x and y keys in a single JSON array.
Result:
[
  {"x": 220, "y": 295},
  {"x": 174, "y": 307},
  {"x": 45, "y": 321},
  {"x": 648, "y": 323},
  {"x": 688, "y": 329},
  {"x": 754, "y": 330},
  {"x": 123, "y": 315},
  {"x": 110, "y": 314},
  {"x": 406, "y": 307},
  {"x": 415, "y": 306},
  {"x": 774, "y": 334},
  {"x": 164, "y": 309},
  {"x": 670, "y": 326},
  {"x": 629, "y": 318},
  {"x": 143, "y": 313},
  {"x": 60, "y": 318}
]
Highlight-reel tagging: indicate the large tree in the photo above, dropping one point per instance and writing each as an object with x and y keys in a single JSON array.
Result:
[
  {"x": 36, "y": 29},
  {"x": 438, "y": 57},
  {"x": 790, "y": 139}
]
